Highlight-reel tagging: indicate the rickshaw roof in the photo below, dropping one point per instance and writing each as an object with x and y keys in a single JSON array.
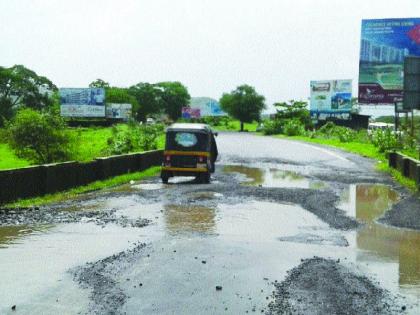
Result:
[{"x": 189, "y": 127}]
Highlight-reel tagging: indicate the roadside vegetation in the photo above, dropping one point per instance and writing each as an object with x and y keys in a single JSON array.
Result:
[
  {"x": 33, "y": 132},
  {"x": 293, "y": 121}
]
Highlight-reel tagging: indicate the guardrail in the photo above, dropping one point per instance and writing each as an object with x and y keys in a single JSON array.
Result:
[
  {"x": 45, "y": 179},
  {"x": 408, "y": 166}
]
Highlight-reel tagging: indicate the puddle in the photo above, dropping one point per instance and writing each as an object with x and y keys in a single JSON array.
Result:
[
  {"x": 189, "y": 219},
  {"x": 148, "y": 186},
  {"x": 204, "y": 195},
  {"x": 10, "y": 235},
  {"x": 272, "y": 177},
  {"x": 308, "y": 238},
  {"x": 383, "y": 247},
  {"x": 34, "y": 271}
]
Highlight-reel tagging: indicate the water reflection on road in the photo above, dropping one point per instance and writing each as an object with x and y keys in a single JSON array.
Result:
[
  {"x": 273, "y": 177},
  {"x": 189, "y": 219},
  {"x": 380, "y": 243}
]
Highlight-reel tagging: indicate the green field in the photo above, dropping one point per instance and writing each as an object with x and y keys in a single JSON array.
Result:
[
  {"x": 9, "y": 160},
  {"x": 90, "y": 143}
]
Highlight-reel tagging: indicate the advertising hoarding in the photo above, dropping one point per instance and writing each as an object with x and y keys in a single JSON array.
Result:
[
  {"x": 331, "y": 98},
  {"x": 83, "y": 102},
  {"x": 207, "y": 106},
  {"x": 118, "y": 111},
  {"x": 188, "y": 112},
  {"x": 384, "y": 45}
]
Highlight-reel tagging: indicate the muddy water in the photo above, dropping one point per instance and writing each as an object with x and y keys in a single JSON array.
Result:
[
  {"x": 272, "y": 177},
  {"x": 235, "y": 246},
  {"x": 391, "y": 253},
  {"x": 242, "y": 245},
  {"x": 35, "y": 263}
]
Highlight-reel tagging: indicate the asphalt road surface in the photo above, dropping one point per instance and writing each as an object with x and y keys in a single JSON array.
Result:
[{"x": 284, "y": 228}]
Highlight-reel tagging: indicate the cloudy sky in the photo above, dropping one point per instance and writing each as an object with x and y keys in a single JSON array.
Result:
[{"x": 278, "y": 46}]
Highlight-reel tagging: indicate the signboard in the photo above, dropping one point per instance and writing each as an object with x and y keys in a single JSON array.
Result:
[
  {"x": 118, "y": 111},
  {"x": 207, "y": 106},
  {"x": 331, "y": 98},
  {"x": 188, "y": 112},
  {"x": 88, "y": 102},
  {"x": 411, "y": 83},
  {"x": 384, "y": 45}
]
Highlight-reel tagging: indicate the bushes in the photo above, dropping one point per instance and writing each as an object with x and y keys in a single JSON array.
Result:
[
  {"x": 133, "y": 138},
  {"x": 293, "y": 127},
  {"x": 272, "y": 127},
  {"x": 330, "y": 130},
  {"x": 40, "y": 137},
  {"x": 385, "y": 140}
]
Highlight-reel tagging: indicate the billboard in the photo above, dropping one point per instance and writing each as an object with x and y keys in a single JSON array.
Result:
[
  {"x": 331, "y": 98},
  {"x": 84, "y": 102},
  {"x": 384, "y": 45},
  {"x": 207, "y": 106},
  {"x": 118, "y": 111},
  {"x": 188, "y": 112}
]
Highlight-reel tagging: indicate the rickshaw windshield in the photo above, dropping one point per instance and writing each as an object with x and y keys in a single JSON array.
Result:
[{"x": 187, "y": 141}]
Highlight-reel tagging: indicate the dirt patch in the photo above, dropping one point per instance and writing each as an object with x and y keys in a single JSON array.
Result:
[
  {"x": 100, "y": 277},
  {"x": 404, "y": 214},
  {"x": 323, "y": 286}
]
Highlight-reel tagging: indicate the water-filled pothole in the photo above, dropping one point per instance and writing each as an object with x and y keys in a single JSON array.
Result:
[
  {"x": 381, "y": 244},
  {"x": 272, "y": 177}
]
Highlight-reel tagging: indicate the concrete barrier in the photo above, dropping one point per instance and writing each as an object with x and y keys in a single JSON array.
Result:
[
  {"x": 22, "y": 183},
  {"x": 408, "y": 166},
  {"x": 50, "y": 178},
  {"x": 88, "y": 172},
  {"x": 392, "y": 159}
]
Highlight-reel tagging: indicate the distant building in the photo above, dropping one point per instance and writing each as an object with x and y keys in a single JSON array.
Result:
[{"x": 372, "y": 52}]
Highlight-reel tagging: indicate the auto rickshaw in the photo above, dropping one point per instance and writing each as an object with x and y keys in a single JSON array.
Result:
[{"x": 190, "y": 150}]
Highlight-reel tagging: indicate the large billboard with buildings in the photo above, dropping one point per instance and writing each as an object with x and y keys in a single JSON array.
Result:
[
  {"x": 331, "y": 98},
  {"x": 84, "y": 102},
  {"x": 384, "y": 45}
]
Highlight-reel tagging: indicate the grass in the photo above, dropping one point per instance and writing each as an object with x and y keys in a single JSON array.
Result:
[
  {"x": 93, "y": 142},
  {"x": 75, "y": 192},
  {"x": 90, "y": 143},
  {"x": 9, "y": 160},
  {"x": 363, "y": 149}
]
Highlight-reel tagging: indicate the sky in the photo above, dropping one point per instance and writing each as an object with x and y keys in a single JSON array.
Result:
[{"x": 277, "y": 46}]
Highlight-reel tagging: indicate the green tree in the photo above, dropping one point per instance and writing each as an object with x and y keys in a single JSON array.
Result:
[
  {"x": 121, "y": 96},
  {"x": 99, "y": 83},
  {"x": 296, "y": 110},
  {"x": 173, "y": 96},
  {"x": 148, "y": 96},
  {"x": 243, "y": 103},
  {"x": 41, "y": 137},
  {"x": 20, "y": 86}
]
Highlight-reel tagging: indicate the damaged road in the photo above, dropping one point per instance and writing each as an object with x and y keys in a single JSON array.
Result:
[{"x": 244, "y": 243}]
